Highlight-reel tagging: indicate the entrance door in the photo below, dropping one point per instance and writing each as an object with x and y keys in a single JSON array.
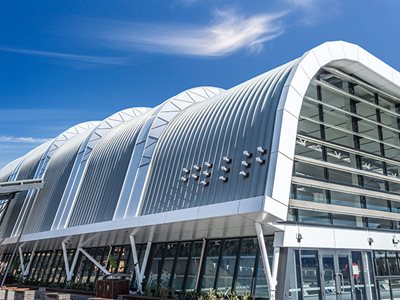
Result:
[{"x": 338, "y": 275}]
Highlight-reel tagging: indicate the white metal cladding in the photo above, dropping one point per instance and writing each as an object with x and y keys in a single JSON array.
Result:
[
  {"x": 79, "y": 168},
  {"x": 27, "y": 170},
  {"x": 344, "y": 56},
  {"x": 59, "y": 141},
  {"x": 206, "y": 131},
  {"x": 7, "y": 170},
  {"x": 106, "y": 169},
  {"x": 54, "y": 146},
  {"x": 229, "y": 125},
  {"x": 56, "y": 177},
  {"x": 146, "y": 143}
]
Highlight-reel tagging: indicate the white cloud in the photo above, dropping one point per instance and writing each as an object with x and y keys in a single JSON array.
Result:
[
  {"x": 315, "y": 11},
  {"x": 26, "y": 140},
  {"x": 306, "y": 4},
  {"x": 228, "y": 33},
  {"x": 68, "y": 56}
]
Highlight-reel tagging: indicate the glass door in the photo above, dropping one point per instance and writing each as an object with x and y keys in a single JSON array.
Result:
[{"x": 337, "y": 275}]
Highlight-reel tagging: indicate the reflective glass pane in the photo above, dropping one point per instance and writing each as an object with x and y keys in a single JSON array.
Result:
[
  {"x": 345, "y": 199},
  {"x": 380, "y": 224},
  {"x": 211, "y": 264},
  {"x": 314, "y": 217},
  {"x": 169, "y": 259},
  {"x": 307, "y": 170},
  {"x": 329, "y": 275},
  {"x": 181, "y": 263},
  {"x": 357, "y": 271},
  {"x": 395, "y": 284},
  {"x": 247, "y": 260},
  {"x": 384, "y": 289},
  {"x": 227, "y": 265},
  {"x": 156, "y": 265},
  {"x": 393, "y": 263},
  {"x": 194, "y": 265},
  {"x": 377, "y": 204},
  {"x": 311, "y": 194},
  {"x": 310, "y": 275},
  {"x": 380, "y": 263},
  {"x": 294, "y": 277}
]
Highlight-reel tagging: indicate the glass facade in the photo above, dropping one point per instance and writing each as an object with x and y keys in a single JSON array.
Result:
[
  {"x": 348, "y": 143},
  {"x": 331, "y": 275},
  {"x": 226, "y": 265}
]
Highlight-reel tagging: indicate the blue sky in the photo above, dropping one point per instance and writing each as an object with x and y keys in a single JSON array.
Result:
[{"x": 66, "y": 62}]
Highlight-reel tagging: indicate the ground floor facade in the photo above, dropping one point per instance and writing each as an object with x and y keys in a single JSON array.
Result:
[{"x": 224, "y": 265}]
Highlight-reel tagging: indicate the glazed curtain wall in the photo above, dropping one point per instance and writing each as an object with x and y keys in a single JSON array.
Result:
[
  {"x": 228, "y": 264},
  {"x": 347, "y": 157}
]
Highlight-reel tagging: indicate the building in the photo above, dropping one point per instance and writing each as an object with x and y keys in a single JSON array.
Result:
[{"x": 286, "y": 186}]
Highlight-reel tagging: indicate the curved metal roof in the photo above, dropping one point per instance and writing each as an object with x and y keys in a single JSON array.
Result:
[
  {"x": 56, "y": 177},
  {"x": 105, "y": 174},
  {"x": 189, "y": 156},
  {"x": 238, "y": 144}
]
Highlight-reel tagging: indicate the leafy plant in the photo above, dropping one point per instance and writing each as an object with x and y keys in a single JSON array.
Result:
[
  {"x": 112, "y": 262},
  {"x": 233, "y": 296}
]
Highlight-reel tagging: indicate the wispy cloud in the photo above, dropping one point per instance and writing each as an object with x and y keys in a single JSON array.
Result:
[
  {"x": 314, "y": 11},
  {"x": 227, "y": 33},
  {"x": 68, "y": 56},
  {"x": 25, "y": 140}
]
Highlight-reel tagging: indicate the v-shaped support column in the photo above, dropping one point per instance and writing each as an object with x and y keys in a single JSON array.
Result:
[
  {"x": 271, "y": 276},
  {"x": 139, "y": 271}
]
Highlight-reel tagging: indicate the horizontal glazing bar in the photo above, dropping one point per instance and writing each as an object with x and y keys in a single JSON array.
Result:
[
  {"x": 343, "y": 93},
  {"x": 310, "y": 99},
  {"x": 345, "y": 189},
  {"x": 360, "y": 82},
  {"x": 344, "y": 168},
  {"x": 348, "y": 149},
  {"x": 349, "y": 132},
  {"x": 342, "y": 210}
]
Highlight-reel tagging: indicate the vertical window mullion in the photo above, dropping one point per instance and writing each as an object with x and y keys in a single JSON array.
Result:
[
  {"x": 188, "y": 266},
  {"x": 237, "y": 260},
  {"x": 221, "y": 251},
  {"x": 171, "y": 279}
]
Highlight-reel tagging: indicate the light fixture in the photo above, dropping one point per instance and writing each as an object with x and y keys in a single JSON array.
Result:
[
  {"x": 184, "y": 179},
  {"x": 203, "y": 182},
  {"x": 246, "y": 164},
  {"x": 370, "y": 240},
  {"x": 227, "y": 159},
  {"x": 243, "y": 173},
  {"x": 186, "y": 171},
  {"x": 260, "y": 160},
  {"x": 197, "y": 167},
  {"x": 299, "y": 237},
  {"x": 261, "y": 150},
  {"x": 223, "y": 178},
  {"x": 207, "y": 174},
  {"x": 246, "y": 153},
  {"x": 195, "y": 177},
  {"x": 208, "y": 164},
  {"x": 225, "y": 169},
  {"x": 395, "y": 241}
]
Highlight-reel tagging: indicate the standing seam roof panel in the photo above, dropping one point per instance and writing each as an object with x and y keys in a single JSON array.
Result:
[
  {"x": 237, "y": 120},
  {"x": 27, "y": 171},
  {"x": 7, "y": 170},
  {"x": 56, "y": 177},
  {"x": 105, "y": 174}
]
